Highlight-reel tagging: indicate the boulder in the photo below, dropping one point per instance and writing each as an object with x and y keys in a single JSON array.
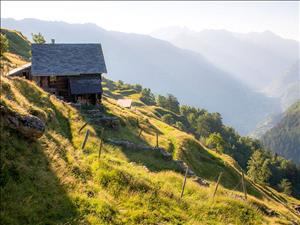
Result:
[
  {"x": 28, "y": 125},
  {"x": 201, "y": 181},
  {"x": 182, "y": 165},
  {"x": 164, "y": 153}
]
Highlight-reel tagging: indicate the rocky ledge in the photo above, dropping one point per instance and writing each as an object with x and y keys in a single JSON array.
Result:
[{"x": 28, "y": 125}]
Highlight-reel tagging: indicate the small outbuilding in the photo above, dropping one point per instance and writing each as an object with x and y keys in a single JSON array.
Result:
[{"x": 71, "y": 71}]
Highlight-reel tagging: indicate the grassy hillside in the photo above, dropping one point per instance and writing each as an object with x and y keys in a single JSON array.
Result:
[
  {"x": 18, "y": 51},
  {"x": 284, "y": 137},
  {"x": 53, "y": 181},
  {"x": 17, "y": 43}
]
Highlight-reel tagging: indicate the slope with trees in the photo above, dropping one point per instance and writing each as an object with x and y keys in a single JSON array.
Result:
[{"x": 283, "y": 138}]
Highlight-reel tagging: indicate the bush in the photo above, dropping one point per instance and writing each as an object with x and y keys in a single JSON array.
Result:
[
  {"x": 285, "y": 186},
  {"x": 180, "y": 125},
  {"x": 168, "y": 118},
  {"x": 148, "y": 97},
  {"x": 216, "y": 141}
]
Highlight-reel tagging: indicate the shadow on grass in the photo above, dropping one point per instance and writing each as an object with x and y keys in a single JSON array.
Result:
[
  {"x": 153, "y": 160},
  {"x": 129, "y": 131},
  {"x": 34, "y": 95},
  {"x": 209, "y": 167},
  {"x": 31, "y": 192}
]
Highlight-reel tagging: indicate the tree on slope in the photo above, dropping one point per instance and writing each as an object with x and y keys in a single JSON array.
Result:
[
  {"x": 38, "y": 38},
  {"x": 147, "y": 96},
  {"x": 169, "y": 102},
  {"x": 258, "y": 167},
  {"x": 216, "y": 141},
  {"x": 285, "y": 186}
]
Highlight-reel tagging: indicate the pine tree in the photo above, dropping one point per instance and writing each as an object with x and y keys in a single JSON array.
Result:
[
  {"x": 147, "y": 96},
  {"x": 258, "y": 167}
]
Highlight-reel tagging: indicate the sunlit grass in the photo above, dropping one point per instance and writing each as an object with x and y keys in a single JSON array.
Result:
[{"x": 57, "y": 182}]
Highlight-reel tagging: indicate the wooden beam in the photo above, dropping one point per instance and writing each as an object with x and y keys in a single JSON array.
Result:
[
  {"x": 140, "y": 133},
  {"x": 217, "y": 185},
  {"x": 184, "y": 181},
  {"x": 85, "y": 139},
  {"x": 101, "y": 143}
]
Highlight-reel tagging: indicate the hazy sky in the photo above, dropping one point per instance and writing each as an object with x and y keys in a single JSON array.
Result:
[{"x": 143, "y": 17}]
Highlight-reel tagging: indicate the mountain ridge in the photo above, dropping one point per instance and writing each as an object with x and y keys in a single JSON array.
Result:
[{"x": 262, "y": 56}]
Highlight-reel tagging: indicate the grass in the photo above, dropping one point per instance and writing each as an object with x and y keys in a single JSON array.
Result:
[
  {"x": 52, "y": 181},
  {"x": 17, "y": 43}
]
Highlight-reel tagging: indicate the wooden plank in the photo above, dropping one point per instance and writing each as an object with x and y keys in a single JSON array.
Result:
[
  {"x": 217, "y": 185},
  {"x": 140, "y": 133},
  {"x": 184, "y": 181},
  {"x": 85, "y": 139}
]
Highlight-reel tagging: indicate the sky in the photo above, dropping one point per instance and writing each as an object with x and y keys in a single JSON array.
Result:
[{"x": 144, "y": 17}]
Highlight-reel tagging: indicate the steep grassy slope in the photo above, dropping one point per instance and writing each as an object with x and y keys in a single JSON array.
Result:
[
  {"x": 18, "y": 51},
  {"x": 52, "y": 181},
  {"x": 283, "y": 138},
  {"x": 18, "y": 44}
]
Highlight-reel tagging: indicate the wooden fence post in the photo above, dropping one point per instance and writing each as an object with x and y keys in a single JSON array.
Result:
[
  {"x": 244, "y": 186},
  {"x": 217, "y": 185},
  {"x": 85, "y": 139},
  {"x": 101, "y": 143},
  {"x": 156, "y": 139},
  {"x": 184, "y": 181},
  {"x": 84, "y": 125},
  {"x": 140, "y": 133}
]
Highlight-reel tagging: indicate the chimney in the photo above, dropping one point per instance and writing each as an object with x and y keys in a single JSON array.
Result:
[{"x": 53, "y": 41}]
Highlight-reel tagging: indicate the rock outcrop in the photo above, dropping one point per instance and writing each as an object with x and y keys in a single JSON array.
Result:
[{"x": 28, "y": 125}]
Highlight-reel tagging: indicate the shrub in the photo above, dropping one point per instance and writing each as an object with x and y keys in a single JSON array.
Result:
[
  {"x": 285, "y": 186},
  {"x": 168, "y": 118}
]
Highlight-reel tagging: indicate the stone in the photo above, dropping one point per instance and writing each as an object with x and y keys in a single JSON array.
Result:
[
  {"x": 28, "y": 125},
  {"x": 201, "y": 181},
  {"x": 164, "y": 153}
]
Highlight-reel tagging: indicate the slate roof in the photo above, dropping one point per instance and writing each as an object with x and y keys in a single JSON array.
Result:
[
  {"x": 85, "y": 85},
  {"x": 67, "y": 59}
]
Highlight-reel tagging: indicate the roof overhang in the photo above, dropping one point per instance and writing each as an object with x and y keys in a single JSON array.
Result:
[{"x": 18, "y": 70}]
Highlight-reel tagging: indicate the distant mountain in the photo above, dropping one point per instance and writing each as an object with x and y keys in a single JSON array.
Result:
[
  {"x": 255, "y": 58},
  {"x": 287, "y": 87},
  {"x": 164, "y": 68},
  {"x": 265, "y": 125},
  {"x": 284, "y": 138}
]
